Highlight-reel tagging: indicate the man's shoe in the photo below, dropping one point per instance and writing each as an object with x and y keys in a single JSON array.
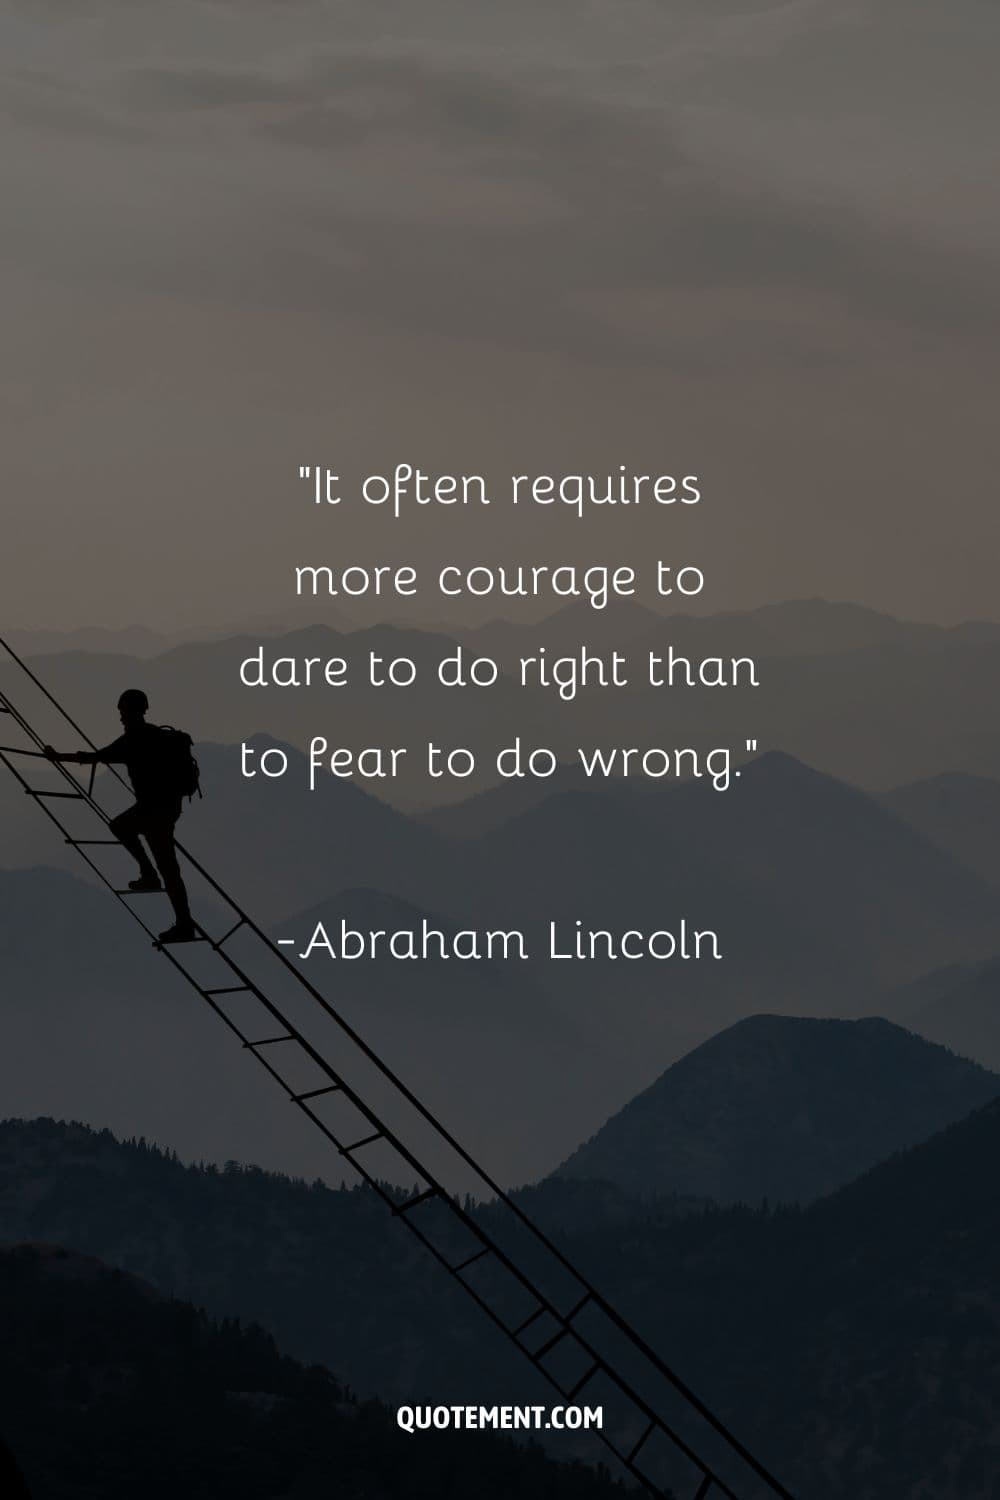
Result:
[
  {"x": 145, "y": 883},
  {"x": 185, "y": 932}
]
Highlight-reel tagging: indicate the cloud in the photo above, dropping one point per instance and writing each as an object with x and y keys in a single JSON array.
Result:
[
  {"x": 604, "y": 224},
  {"x": 505, "y": 207}
]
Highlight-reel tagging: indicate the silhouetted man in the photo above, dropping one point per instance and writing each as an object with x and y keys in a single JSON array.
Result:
[{"x": 158, "y": 801}]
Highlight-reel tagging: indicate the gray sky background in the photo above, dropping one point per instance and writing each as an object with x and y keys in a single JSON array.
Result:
[{"x": 754, "y": 241}]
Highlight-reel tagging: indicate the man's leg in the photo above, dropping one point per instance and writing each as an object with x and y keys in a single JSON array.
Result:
[
  {"x": 126, "y": 829},
  {"x": 159, "y": 831}
]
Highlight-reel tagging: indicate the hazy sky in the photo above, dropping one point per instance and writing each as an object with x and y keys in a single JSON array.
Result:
[{"x": 754, "y": 241}]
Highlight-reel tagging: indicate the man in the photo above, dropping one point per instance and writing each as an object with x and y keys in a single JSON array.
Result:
[{"x": 157, "y": 808}]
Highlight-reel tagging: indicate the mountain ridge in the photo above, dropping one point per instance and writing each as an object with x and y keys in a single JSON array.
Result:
[{"x": 784, "y": 1109}]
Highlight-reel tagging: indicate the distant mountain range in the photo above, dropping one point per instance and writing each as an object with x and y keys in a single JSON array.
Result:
[
  {"x": 795, "y": 627},
  {"x": 847, "y": 877},
  {"x": 94, "y": 1025},
  {"x": 777, "y": 1108},
  {"x": 142, "y": 643},
  {"x": 829, "y": 1331},
  {"x": 958, "y": 1007},
  {"x": 855, "y": 1340},
  {"x": 823, "y": 900},
  {"x": 870, "y": 699},
  {"x": 783, "y": 1109},
  {"x": 958, "y": 813},
  {"x": 858, "y": 1340}
]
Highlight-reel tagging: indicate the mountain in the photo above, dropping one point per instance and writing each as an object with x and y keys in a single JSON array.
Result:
[
  {"x": 857, "y": 1339},
  {"x": 793, "y": 627},
  {"x": 96, "y": 1025},
  {"x": 198, "y": 686},
  {"x": 615, "y": 627},
  {"x": 55, "y": 936},
  {"x": 959, "y": 813},
  {"x": 279, "y": 847},
  {"x": 846, "y": 874},
  {"x": 488, "y": 810},
  {"x": 109, "y": 1388},
  {"x": 808, "y": 879},
  {"x": 612, "y": 628},
  {"x": 853, "y": 1341},
  {"x": 140, "y": 642},
  {"x": 820, "y": 896},
  {"x": 330, "y": 1272},
  {"x": 275, "y": 844},
  {"x": 784, "y": 1109},
  {"x": 858, "y": 711},
  {"x": 904, "y": 1001},
  {"x": 960, "y": 1008},
  {"x": 462, "y": 1035},
  {"x": 130, "y": 640},
  {"x": 809, "y": 627}
]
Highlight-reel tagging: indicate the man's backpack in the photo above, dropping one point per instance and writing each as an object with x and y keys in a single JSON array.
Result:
[{"x": 176, "y": 762}]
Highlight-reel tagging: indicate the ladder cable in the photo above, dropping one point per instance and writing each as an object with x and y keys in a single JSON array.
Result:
[{"x": 711, "y": 1482}]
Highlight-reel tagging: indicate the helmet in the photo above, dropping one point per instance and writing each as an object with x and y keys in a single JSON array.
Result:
[{"x": 135, "y": 699}]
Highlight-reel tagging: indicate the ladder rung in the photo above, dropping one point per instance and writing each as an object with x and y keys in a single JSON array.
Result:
[
  {"x": 471, "y": 1260},
  {"x": 403, "y": 1208},
  {"x": 568, "y": 1317},
  {"x": 235, "y": 928},
  {"x": 645, "y": 1436},
  {"x": 365, "y": 1141},
  {"x": 528, "y": 1322},
  {"x": 126, "y": 891},
  {"x": 588, "y": 1361},
  {"x": 576, "y": 1389},
  {"x": 549, "y": 1345}
]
